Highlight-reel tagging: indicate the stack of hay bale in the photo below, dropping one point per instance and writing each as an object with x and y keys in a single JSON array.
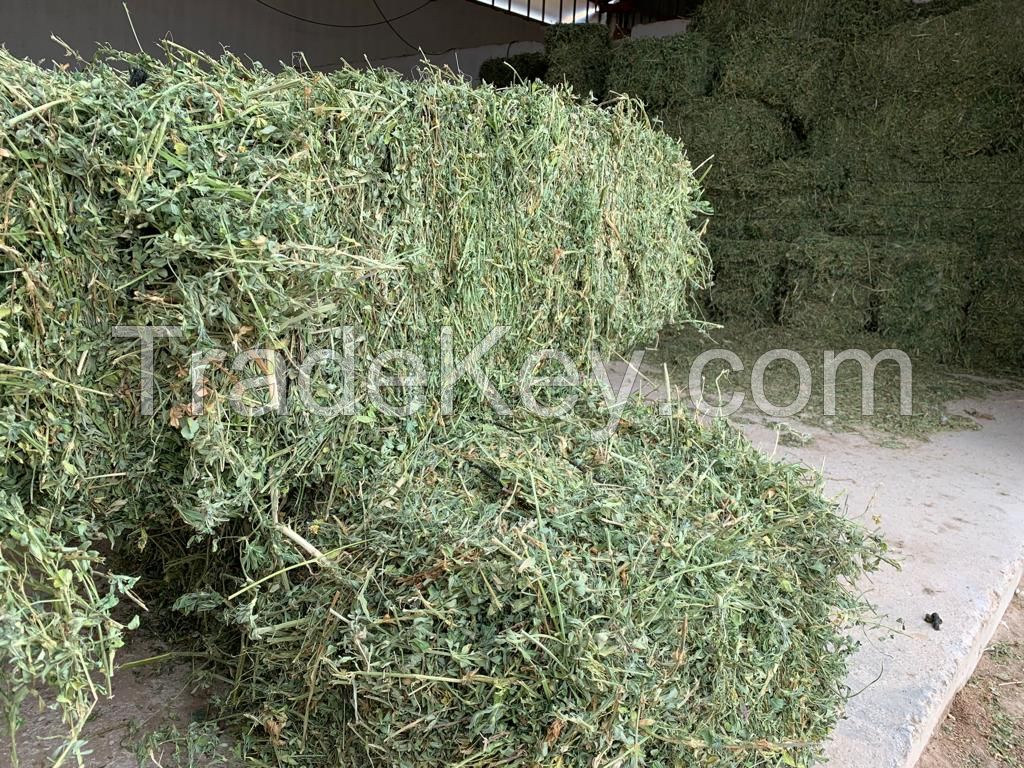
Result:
[
  {"x": 447, "y": 585},
  {"x": 853, "y": 148}
]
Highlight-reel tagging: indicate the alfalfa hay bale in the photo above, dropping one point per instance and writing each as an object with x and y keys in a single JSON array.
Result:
[
  {"x": 749, "y": 279},
  {"x": 256, "y": 210},
  {"x": 762, "y": 216},
  {"x": 924, "y": 289},
  {"x": 832, "y": 285},
  {"x": 579, "y": 56},
  {"x": 793, "y": 74},
  {"x": 662, "y": 71},
  {"x": 994, "y": 334},
  {"x": 722, "y": 20},
  {"x": 742, "y": 135},
  {"x": 945, "y": 87},
  {"x": 903, "y": 197},
  {"x": 783, "y": 200}
]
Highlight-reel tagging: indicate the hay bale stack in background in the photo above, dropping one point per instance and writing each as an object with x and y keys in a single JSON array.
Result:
[
  {"x": 879, "y": 126},
  {"x": 939, "y": 88},
  {"x": 501, "y": 72},
  {"x": 794, "y": 75},
  {"x": 579, "y": 55},
  {"x": 902, "y": 195},
  {"x": 749, "y": 280},
  {"x": 782, "y": 200},
  {"x": 888, "y": 196},
  {"x": 722, "y": 20},
  {"x": 924, "y": 289},
  {"x": 663, "y": 71},
  {"x": 831, "y": 286},
  {"x": 743, "y": 135}
]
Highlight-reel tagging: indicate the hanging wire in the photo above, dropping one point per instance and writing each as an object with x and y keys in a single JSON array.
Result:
[{"x": 384, "y": 19}]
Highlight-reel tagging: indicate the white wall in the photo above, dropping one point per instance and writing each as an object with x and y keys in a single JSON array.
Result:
[
  {"x": 660, "y": 28},
  {"x": 250, "y": 29}
]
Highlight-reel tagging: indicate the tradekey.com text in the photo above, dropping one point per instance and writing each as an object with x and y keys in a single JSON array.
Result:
[{"x": 548, "y": 383}]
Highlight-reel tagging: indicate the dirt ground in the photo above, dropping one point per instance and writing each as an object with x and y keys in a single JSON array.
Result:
[
  {"x": 985, "y": 724},
  {"x": 150, "y": 697}
]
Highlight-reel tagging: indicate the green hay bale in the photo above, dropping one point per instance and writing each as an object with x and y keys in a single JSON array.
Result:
[
  {"x": 944, "y": 87},
  {"x": 901, "y": 197},
  {"x": 908, "y": 209},
  {"x": 792, "y": 74},
  {"x": 579, "y": 56},
  {"x": 662, "y": 71},
  {"x": 923, "y": 291},
  {"x": 784, "y": 200},
  {"x": 994, "y": 335},
  {"x": 502, "y": 72},
  {"x": 721, "y": 20},
  {"x": 743, "y": 135},
  {"x": 763, "y": 216},
  {"x": 254, "y": 209},
  {"x": 522, "y": 593},
  {"x": 748, "y": 280},
  {"x": 831, "y": 286},
  {"x": 56, "y": 603}
]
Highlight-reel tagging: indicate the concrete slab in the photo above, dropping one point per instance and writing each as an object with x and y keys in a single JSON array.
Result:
[{"x": 952, "y": 510}]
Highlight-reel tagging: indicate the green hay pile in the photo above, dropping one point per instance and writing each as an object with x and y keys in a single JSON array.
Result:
[
  {"x": 762, "y": 216},
  {"x": 56, "y": 630},
  {"x": 520, "y": 68},
  {"x": 531, "y": 597},
  {"x": 378, "y": 589},
  {"x": 579, "y": 56},
  {"x": 662, "y": 71}
]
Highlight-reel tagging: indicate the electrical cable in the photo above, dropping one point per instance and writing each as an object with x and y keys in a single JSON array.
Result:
[
  {"x": 384, "y": 19},
  {"x": 395, "y": 32}
]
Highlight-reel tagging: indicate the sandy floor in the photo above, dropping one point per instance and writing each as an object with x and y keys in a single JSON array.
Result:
[{"x": 953, "y": 509}]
